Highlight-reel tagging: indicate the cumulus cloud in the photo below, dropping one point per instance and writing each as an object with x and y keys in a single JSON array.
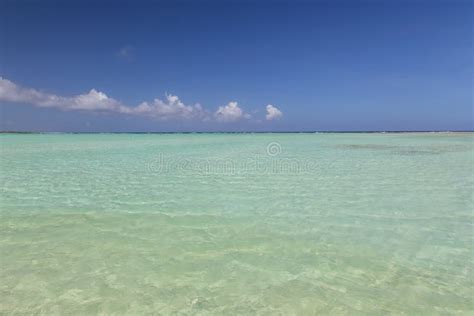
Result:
[
  {"x": 172, "y": 107},
  {"x": 93, "y": 100},
  {"x": 168, "y": 109},
  {"x": 230, "y": 113},
  {"x": 273, "y": 113}
]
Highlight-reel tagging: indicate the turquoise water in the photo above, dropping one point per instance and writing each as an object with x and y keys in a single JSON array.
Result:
[{"x": 268, "y": 224}]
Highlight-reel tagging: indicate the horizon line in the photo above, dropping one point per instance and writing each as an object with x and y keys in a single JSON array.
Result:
[{"x": 245, "y": 132}]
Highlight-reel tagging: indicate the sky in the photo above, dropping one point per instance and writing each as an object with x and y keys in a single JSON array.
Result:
[{"x": 156, "y": 66}]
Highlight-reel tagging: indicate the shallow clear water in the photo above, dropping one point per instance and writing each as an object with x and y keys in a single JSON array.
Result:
[{"x": 237, "y": 224}]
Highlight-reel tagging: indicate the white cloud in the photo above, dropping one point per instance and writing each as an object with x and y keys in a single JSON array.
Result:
[
  {"x": 273, "y": 113},
  {"x": 94, "y": 100},
  {"x": 230, "y": 113},
  {"x": 170, "y": 108}
]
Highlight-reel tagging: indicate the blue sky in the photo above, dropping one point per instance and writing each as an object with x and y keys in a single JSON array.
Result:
[{"x": 339, "y": 65}]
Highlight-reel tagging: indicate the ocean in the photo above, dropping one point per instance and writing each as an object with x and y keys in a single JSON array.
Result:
[{"x": 237, "y": 224}]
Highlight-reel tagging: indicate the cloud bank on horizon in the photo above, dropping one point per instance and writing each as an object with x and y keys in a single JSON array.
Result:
[{"x": 170, "y": 108}]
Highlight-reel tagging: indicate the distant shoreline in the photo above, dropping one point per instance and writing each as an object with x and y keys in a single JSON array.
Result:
[{"x": 249, "y": 132}]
